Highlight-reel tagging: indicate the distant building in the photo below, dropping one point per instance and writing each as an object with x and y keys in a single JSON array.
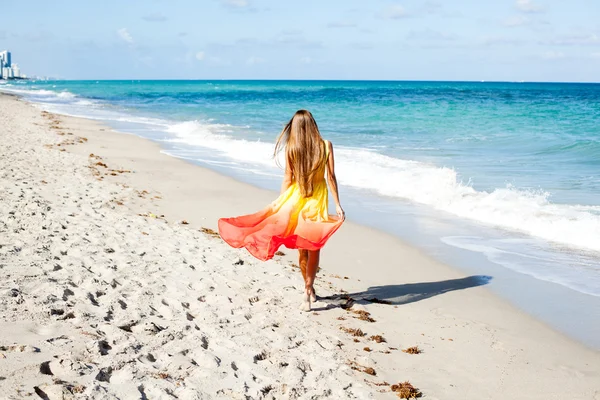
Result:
[
  {"x": 7, "y": 69},
  {"x": 7, "y": 73},
  {"x": 5, "y": 56}
]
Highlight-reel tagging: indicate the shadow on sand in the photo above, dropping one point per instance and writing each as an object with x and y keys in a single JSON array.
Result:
[{"x": 405, "y": 293}]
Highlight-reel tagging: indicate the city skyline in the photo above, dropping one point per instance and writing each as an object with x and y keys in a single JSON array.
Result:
[
  {"x": 508, "y": 40},
  {"x": 8, "y": 70}
]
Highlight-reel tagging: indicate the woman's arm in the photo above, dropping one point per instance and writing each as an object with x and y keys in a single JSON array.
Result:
[
  {"x": 332, "y": 180},
  {"x": 287, "y": 178}
]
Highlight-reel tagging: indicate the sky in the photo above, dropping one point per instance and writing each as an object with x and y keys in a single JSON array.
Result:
[{"x": 494, "y": 40}]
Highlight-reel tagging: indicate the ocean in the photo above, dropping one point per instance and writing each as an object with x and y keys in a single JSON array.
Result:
[{"x": 507, "y": 173}]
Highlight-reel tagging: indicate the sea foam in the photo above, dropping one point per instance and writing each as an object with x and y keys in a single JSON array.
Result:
[{"x": 525, "y": 211}]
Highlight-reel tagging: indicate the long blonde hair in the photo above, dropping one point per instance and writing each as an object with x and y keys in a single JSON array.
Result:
[{"x": 304, "y": 149}]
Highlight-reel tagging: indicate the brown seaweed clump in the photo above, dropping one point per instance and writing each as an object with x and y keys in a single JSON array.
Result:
[
  {"x": 362, "y": 315},
  {"x": 357, "y": 367},
  {"x": 353, "y": 331},
  {"x": 413, "y": 350},
  {"x": 405, "y": 390},
  {"x": 378, "y": 339}
]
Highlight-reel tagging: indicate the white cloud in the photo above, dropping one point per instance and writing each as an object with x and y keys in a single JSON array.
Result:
[
  {"x": 157, "y": 17},
  {"x": 297, "y": 40},
  {"x": 395, "y": 12},
  {"x": 553, "y": 55},
  {"x": 291, "y": 32},
  {"x": 586, "y": 39},
  {"x": 206, "y": 59},
  {"x": 123, "y": 34},
  {"x": 528, "y": 6},
  {"x": 516, "y": 20},
  {"x": 236, "y": 3},
  {"x": 219, "y": 62},
  {"x": 429, "y": 34},
  {"x": 362, "y": 45},
  {"x": 432, "y": 7},
  {"x": 500, "y": 41},
  {"x": 254, "y": 60},
  {"x": 306, "y": 60},
  {"x": 343, "y": 24}
]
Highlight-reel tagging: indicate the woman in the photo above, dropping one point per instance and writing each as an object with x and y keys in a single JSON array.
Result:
[{"x": 299, "y": 218}]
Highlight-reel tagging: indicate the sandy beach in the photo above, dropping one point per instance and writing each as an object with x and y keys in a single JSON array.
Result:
[{"x": 116, "y": 287}]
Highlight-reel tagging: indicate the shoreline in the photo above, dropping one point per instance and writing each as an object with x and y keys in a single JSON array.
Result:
[
  {"x": 463, "y": 244},
  {"x": 432, "y": 302}
]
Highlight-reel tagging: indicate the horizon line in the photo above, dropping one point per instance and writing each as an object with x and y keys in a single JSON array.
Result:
[{"x": 309, "y": 80}]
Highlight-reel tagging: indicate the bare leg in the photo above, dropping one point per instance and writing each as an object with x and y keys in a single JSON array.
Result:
[
  {"x": 311, "y": 272},
  {"x": 303, "y": 261}
]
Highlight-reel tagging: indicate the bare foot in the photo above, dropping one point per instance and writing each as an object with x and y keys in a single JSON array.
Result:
[
  {"x": 306, "y": 299},
  {"x": 313, "y": 295}
]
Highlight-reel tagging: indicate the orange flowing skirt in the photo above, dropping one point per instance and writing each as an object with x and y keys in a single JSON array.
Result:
[{"x": 292, "y": 221}]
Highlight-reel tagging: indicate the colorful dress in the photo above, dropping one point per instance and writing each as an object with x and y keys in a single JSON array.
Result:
[{"x": 293, "y": 221}]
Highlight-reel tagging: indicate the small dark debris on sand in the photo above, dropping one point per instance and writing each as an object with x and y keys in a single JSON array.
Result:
[{"x": 210, "y": 232}]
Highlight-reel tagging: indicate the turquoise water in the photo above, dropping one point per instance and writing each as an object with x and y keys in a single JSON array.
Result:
[{"x": 516, "y": 162}]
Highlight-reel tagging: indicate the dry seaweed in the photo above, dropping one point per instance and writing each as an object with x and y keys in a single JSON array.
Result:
[
  {"x": 384, "y": 383},
  {"x": 377, "y": 338},
  {"x": 161, "y": 375},
  {"x": 353, "y": 331},
  {"x": 405, "y": 390},
  {"x": 370, "y": 371},
  {"x": 362, "y": 315},
  {"x": 357, "y": 367},
  {"x": 412, "y": 350}
]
